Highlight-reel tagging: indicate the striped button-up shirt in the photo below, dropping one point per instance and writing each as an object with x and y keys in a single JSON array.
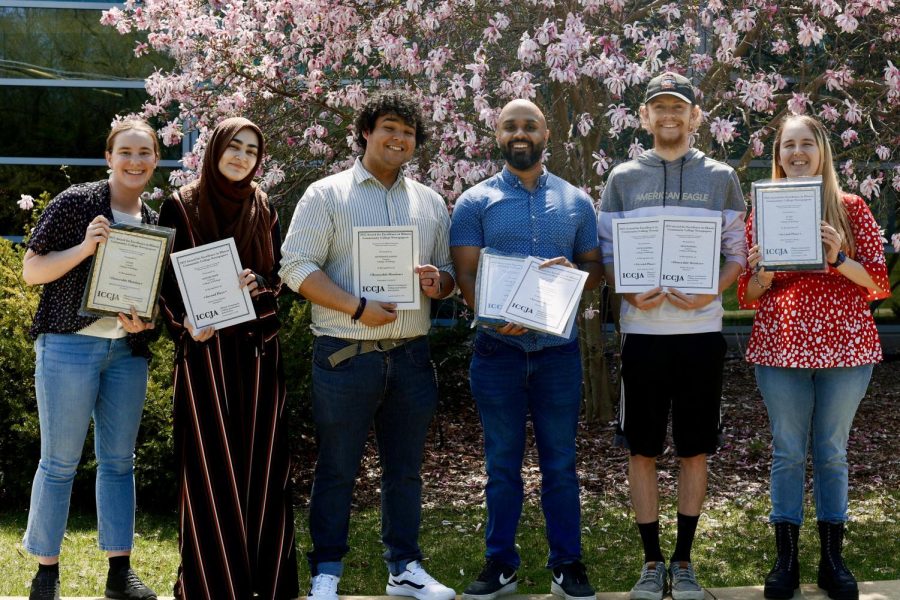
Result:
[{"x": 321, "y": 238}]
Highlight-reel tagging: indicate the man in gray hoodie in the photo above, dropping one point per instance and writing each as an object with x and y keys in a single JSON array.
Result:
[{"x": 672, "y": 346}]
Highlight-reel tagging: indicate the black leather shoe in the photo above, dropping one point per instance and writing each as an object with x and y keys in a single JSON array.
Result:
[
  {"x": 124, "y": 584},
  {"x": 834, "y": 577},
  {"x": 45, "y": 586},
  {"x": 784, "y": 577}
]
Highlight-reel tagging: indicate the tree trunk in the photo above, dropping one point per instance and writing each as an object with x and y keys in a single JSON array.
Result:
[{"x": 598, "y": 398}]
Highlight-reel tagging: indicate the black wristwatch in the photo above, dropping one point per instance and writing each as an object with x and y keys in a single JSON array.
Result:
[{"x": 841, "y": 257}]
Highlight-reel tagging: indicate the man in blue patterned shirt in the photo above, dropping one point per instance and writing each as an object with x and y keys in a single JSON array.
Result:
[{"x": 516, "y": 372}]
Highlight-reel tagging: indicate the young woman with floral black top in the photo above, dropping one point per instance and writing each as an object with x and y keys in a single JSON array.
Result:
[{"x": 88, "y": 367}]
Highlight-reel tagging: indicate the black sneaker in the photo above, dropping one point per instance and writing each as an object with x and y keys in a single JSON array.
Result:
[
  {"x": 570, "y": 581},
  {"x": 496, "y": 579},
  {"x": 45, "y": 586},
  {"x": 124, "y": 584}
]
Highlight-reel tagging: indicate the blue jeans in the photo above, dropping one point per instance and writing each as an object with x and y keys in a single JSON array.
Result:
[
  {"x": 811, "y": 407},
  {"x": 508, "y": 385},
  {"x": 77, "y": 377},
  {"x": 397, "y": 391}
]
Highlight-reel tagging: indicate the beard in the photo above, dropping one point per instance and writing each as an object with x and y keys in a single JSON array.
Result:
[{"x": 522, "y": 160}]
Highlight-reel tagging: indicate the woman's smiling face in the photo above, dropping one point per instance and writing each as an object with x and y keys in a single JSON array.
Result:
[{"x": 798, "y": 152}]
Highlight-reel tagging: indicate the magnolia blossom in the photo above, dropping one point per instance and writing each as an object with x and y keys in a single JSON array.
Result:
[
  {"x": 756, "y": 145},
  {"x": 529, "y": 50},
  {"x": 302, "y": 68},
  {"x": 853, "y": 114},
  {"x": 798, "y": 102},
  {"x": 847, "y": 22},
  {"x": 723, "y": 130},
  {"x": 744, "y": 19},
  {"x": 829, "y": 113},
  {"x": 670, "y": 12},
  {"x": 892, "y": 79},
  {"x": 635, "y": 149},
  {"x": 585, "y": 124},
  {"x": 601, "y": 162},
  {"x": 847, "y": 168},
  {"x": 895, "y": 242},
  {"x": 25, "y": 202},
  {"x": 780, "y": 47},
  {"x": 849, "y": 136},
  {"x": 808, "y": 33},
  {"x": 871, "y": 186},
  {"x": 828, "y": 7},
  {"x": 883, "y": 152}
]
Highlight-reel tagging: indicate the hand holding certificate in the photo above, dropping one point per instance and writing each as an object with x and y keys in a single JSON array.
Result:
[
  {"x": 786, "y": 223},
  {"x": 127, "y": 270},
  {"x": 208, "y": 277},
  {"x": 384, "y": 265},
  {"x": 678, "y": 252},
  {"x": 544, "y": 299}
]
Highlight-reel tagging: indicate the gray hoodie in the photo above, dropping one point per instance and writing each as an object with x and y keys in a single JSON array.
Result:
[{"x": 694, "y": 185}]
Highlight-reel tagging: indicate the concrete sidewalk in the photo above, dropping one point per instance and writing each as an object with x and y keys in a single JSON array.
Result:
[{"x": 868, "y": 590}]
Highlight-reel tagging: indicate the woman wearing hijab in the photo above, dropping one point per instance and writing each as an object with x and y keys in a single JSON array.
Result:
[{"x": 235, "y": 514}]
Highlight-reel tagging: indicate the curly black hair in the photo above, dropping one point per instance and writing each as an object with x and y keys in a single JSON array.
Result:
[{"x": 391, "y": 101}]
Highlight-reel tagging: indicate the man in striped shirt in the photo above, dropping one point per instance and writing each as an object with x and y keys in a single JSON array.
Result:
[{"x": 371, "y": 362}]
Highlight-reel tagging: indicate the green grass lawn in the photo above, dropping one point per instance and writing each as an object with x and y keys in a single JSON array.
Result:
[{"x": 733, "y": 548}]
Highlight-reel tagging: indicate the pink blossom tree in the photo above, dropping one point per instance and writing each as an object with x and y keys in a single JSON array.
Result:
[{"x": 300, "y": 68}]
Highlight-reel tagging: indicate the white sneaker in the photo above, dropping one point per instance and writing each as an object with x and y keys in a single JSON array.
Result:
[
  {"x": 416, "y": 582},
  {"x": 323, "y": 587}
]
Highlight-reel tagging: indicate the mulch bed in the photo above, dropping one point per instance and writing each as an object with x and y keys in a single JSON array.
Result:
[{"x": 453, "y": 470}]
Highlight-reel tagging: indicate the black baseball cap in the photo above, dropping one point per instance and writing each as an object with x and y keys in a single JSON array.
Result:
[{"x": 672, "y": 84}]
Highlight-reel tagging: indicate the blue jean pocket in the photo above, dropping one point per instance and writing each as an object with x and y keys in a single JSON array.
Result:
[{"x": 485, "y": 345}]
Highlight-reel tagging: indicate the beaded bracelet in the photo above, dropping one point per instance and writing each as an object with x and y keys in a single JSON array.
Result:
[{"x": 759, "y": 283}]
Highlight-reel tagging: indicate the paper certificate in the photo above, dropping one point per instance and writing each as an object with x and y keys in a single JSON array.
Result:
[
  {"x": 787, "y": 215},
  {"x": 678, "y": 252},
  {"x": 384, "y": 263},
  {"x": 544, "y": 299},
  {"x": 497, "y": 275},
  {"x": 127, "y": 271},
  {"x": 208, "y": 278}
]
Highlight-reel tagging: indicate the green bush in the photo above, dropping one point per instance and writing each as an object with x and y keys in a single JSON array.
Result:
[{"x": 20, "y": 442}]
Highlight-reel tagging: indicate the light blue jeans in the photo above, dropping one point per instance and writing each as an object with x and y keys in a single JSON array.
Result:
[
  {"x": 77, "y": 377},
  {"x": 811, "y": 408}
]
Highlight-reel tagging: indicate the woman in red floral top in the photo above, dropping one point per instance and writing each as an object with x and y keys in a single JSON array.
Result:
[{"x": 814, "y": 344}]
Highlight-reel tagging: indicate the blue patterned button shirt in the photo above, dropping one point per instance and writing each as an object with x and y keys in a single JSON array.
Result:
[{"x": 556, "y": 219}]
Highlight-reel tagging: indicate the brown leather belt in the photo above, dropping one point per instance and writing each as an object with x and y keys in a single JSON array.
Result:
[{"x": 357, "y": 347}]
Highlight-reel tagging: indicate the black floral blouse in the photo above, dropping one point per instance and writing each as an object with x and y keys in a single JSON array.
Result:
[{"x": 61, "y": 226}]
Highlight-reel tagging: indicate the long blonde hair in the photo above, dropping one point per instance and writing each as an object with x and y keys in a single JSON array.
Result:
[{"x": 835, "y": 212}]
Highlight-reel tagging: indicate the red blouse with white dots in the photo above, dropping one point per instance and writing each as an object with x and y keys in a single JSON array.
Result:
[{"x": 820, "y": 320}]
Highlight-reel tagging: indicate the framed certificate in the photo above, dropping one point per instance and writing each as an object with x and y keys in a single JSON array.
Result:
[
  {"x": 787, "y": 215},
  {"x": 208, "y": 277},
  {"x": 127, "y": 271},
  {"x": 678, "y": 252},
  {"x": 384, "y": 265}
]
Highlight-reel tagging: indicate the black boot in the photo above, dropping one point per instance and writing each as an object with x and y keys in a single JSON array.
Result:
[
  {"x": 834, "y": 577},
  {"x": 784, "y": 577}
]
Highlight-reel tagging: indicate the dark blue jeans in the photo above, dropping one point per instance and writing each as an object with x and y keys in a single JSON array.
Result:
[
  {"x": 509, "y": 385},
  {"x": 397, "y": 391}
]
